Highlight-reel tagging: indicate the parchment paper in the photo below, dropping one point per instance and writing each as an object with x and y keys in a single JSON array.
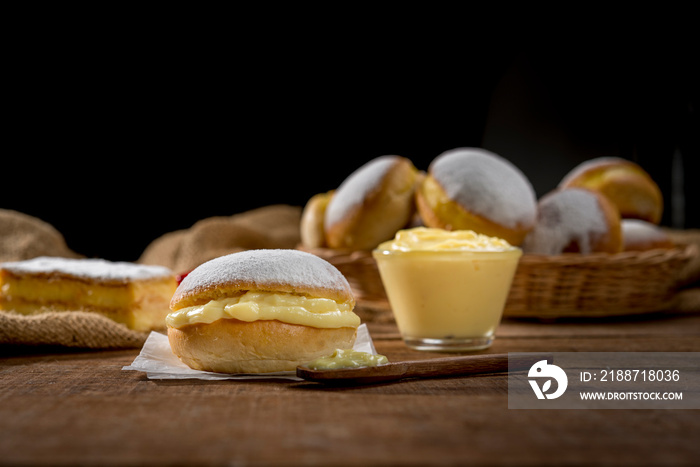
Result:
[{"x": 158, "y": 361}]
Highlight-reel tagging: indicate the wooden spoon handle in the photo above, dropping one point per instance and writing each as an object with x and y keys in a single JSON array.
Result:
[
  {"x": 473, "y": 364},
  {"x": 429, "y": 368}
]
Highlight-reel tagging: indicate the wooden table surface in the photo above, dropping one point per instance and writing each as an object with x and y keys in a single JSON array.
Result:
[{"x": 72, "y": 407}]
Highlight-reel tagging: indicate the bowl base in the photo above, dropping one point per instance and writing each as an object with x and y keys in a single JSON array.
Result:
[{"x": 449, "y": 344}]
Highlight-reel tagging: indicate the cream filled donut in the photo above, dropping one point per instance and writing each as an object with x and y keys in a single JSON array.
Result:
[
  {"x": 371, "y": 204},
  {"x": 625, "y": 183},
  {"x": 638, "y": 235},
  {"x": 575, "y": 220},
  {"x": 475, "y": 189},
  {"x": 261, "y": 311}
]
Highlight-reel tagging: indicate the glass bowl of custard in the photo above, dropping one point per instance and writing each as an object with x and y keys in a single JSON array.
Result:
[{"x": 447, "y": 289}]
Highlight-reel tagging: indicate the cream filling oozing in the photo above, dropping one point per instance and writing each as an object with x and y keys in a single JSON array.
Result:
[{"x": 253, "y": 306}]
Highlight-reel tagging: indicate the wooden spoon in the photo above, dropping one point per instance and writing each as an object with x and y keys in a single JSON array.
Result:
[{"x": 429, "y": 368}]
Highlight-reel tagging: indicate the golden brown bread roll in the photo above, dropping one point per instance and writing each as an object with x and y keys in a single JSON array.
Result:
[
  {"x": 623, "y": 182},
  {"x": 312, "y": 231},
  {"x": 233, "y": 346},
  {"x": 575, "y": 220},
  {"x": 261, "y": 311},
  {"x": 371, "y": 204},
  {"x": 474, "y": 189}
]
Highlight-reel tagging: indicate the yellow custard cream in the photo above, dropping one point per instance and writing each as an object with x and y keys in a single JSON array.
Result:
[
  {"x": 347, "y": 358},
  {"x": 426, "y": 239},
  {"x": 447, "y": 289},
  {"x": 253, "y": 306}
]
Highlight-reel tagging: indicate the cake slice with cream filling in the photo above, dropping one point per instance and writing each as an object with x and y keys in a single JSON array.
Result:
[{"x": 135, "y": 295}]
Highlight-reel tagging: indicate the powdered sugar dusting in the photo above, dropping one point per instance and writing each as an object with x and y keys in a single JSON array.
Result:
[
  {"x": 89, "y": 268},
  {"x": 568, "y": 216},
  {"x": 293, "y": 267},
  {"x": 635, "y": 231},
  {"x": 356, "y": 187},
  {"x": 487, "y": 185}
]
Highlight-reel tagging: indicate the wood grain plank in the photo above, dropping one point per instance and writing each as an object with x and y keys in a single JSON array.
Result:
[{"x": 75, "y": 407}]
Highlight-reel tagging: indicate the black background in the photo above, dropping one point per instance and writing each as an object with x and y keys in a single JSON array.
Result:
[{"x": 119, "y": 131}]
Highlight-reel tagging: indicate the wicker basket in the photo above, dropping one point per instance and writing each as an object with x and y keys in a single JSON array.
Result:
[
  {"x": 596, "y": 285},
  {"x": 569, "y": 285}
]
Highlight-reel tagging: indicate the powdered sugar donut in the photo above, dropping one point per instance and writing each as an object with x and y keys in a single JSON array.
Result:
[
  {"x": 261, "y": 311},
  {"x": 623, "y": 182},
  {"x": 371, "y": 204},
  {"x": 475, "y": 189},
  {"x": 640, "y": 235},
  {"x": 575, "y": 220},
  {"x": 289, "y": 271}
]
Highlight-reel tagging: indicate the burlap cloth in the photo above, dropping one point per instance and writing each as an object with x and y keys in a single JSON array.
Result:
[
  {"x": 277, "y": 226},
  {"x": 25, "y": 237},
  {"x": 68, "y": 329}
]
